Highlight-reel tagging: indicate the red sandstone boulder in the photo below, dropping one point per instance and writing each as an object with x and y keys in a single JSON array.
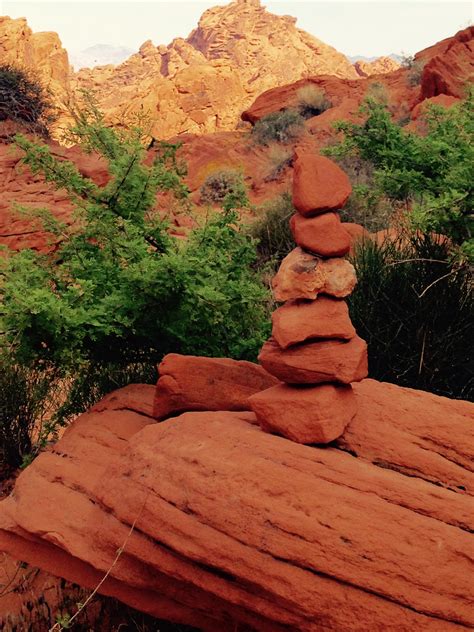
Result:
[
  {"x": 319, "y": 185},
  {"x": 301, "y": 320},
  {"x": 315, "y": 414},
  {"x": 195, "y": 383},
  {"x": 323, "y": 235},
  {"x": 302, "y": 275},
  {"x": 222, "y": 526},
  {"x": 316, "y": 362}
]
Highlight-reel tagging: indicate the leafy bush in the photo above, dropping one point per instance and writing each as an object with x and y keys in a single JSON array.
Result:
[
  {"x": 433, "y": 173},
  {"x": 219, "y": 185},
  {"x": 23, "y": 99},
  {"x": 312, "y": 101},
  {"x": 280, "y": 127},
  {"x": 26, "y": 394},
  {"x": 415, "y": 309},
  {"x": 272, "y": 231},
  {"x": 366, "y": 206},
  {"x": 119, "y": 292}
]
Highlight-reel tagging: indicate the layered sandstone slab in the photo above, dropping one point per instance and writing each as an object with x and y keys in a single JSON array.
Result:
[
  {"x": 302, "y": 275},
  {"x": 316, "y": 362},
  {"x": 197, "y": 383},
  {"x": 301, "y": 320},
  {"x": 224, "y": 526},
  {"x": 323, "y": 235},
  {"x": 314, "y": 414}
]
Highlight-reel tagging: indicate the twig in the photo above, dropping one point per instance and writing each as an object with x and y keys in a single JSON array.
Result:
[
  {"x": 436, "y": 281},
  {"x": 57, "y": 627}
]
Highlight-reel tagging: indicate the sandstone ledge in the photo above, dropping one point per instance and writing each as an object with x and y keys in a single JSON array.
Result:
[{"x": 238, "y": 529}]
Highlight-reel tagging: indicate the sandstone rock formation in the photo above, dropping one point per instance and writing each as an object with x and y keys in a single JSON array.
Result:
[
  {"x": 41, "y": 52},
  {"x": 379, "y": 66},
  {"x": 192, "y": 383},
  {"x": 191, "y": 86},
  {"x": 318, "y": 414},
  {"x": 223, "y": 526},
  {"x": 448, "y": 65}
]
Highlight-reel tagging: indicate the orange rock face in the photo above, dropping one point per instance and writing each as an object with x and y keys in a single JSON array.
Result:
[
  {"x": 316, "y": 362},
  {"x": 315, "y": 414},
  {"x": 319, "y": 185},
  {"x": 236, "y": 528},
  {"x": 379, "y": 66},
  {"x": 298, "y": 321},
  {"x": 41, "y": 52},
  {"x": 191, "y": 86},
  {"x": 195, "y": 383},
  {"x": 302, "y": 275},
  {"x": 449, "y": 65},
  {"x": 322, "y": 235}
]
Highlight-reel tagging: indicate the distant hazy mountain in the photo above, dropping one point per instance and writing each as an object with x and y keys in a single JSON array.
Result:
[
  {"x": 353, "y": 59},
  {"x": 99, "y": 55}
]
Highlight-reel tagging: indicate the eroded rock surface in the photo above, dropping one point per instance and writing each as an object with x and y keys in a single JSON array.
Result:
[{"x": 225, "y": 526}]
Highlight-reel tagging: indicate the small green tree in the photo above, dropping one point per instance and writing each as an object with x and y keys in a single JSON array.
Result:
[
  {"x": 119, "y": 291},
  {"x": 24, "y": 99}
]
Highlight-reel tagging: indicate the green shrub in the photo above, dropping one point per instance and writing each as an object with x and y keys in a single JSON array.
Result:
[
  {"x": 312, "y": 101},
  {"x": 272, "y": 231},
  {"x": 432, "y": 174},
  {"x": 366, "y": 206},
  {"x": 219, "y": 185},
  {"x": 26, "y": 395},
  {"x": 415, "y": 309},
  {"x": 23, "y": 99},
  {"x": 281, "y": 127},
  {"x": 118, "y": 292}
]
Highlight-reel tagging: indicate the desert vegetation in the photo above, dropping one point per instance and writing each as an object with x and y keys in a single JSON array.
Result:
[
  {"x": 280, "y": 127},
  {"x": 119, "y": 292},
  {"x": 24, "y": 99}
]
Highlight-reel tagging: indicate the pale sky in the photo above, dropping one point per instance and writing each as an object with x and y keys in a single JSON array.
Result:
[{"x": 353, "y": 27}]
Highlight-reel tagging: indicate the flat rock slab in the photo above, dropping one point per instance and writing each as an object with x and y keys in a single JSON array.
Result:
[
  {"x": 223, "y": 525},
  {"x": 301, "y": 320},
  {"x": 197, "y": 383},
  {"x": 316, "y": 362}
]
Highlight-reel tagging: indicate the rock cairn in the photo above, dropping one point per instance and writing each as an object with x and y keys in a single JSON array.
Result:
[{"x": 314, "y": 349}]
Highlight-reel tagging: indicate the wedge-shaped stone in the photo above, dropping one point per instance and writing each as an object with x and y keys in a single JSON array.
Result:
[
  {"x": 323, "y": 235},
  {"x": 319, "y": 185},
  {"x": 311, "y": 414},
  {"x": 302, "y": 275},
  {"x": 316, "y": 362},
  {"x": 195, "y": 383},
  {"x": 301, "y": 320}
]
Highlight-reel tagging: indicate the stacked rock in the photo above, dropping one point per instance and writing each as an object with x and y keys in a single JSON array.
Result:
[{"x": 314, "y": 349}]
